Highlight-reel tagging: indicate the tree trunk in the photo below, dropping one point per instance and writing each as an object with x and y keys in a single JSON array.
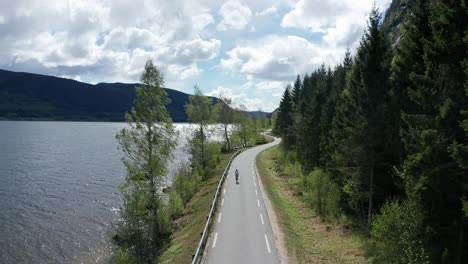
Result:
[
  {"x": 461, "y": 237},
  {"x": 202, "y": 135},
  {"x": 227, "y": 137},
  {"x": 152, "y": 186},
  {"x": 371, "y": 198}
]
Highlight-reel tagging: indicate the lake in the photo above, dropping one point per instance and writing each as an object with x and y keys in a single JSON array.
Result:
[{"x": 59, "y": 197}]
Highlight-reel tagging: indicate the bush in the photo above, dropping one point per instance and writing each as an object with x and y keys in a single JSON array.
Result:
[
  {"x": 213, "y": 154},
  {"x": 186, "y": 183},
  {"x": 322, "y": 194},
  {"x": 397, "y": 230},
  {"x": 175, "y": 205},
  {"x": 122, "y": 256}
]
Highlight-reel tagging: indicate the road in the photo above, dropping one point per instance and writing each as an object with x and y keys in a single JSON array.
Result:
[{"x": 242, "y": 231}]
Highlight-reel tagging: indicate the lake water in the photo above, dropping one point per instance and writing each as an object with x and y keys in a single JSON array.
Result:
[{"x": 58, "y": 190}]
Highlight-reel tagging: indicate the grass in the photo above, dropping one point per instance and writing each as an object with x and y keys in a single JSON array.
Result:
[
  {"x": 187, "y": 235},
  {"x": 308, "y": 239}
]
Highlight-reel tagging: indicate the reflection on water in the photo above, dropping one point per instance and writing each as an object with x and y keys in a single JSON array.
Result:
[{"x": 58, "y": 189}]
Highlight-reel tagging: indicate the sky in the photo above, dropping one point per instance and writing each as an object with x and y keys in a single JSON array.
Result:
[{"x": 248, "y": 51}]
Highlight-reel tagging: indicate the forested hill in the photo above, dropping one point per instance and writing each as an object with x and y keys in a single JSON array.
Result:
[
  {"x": 32, "y": 96},
  {"x": 382, "y": 138}
]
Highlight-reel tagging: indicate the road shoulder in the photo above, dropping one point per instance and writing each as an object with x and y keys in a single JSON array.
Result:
[
  {"x": 277, "y": 232},
  {"x": 307, "y": 238}
]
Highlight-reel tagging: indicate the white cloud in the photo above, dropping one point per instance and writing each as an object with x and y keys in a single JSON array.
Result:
[
  {"x": 279, "y": 58},
  {"x": 271, "y": 85},
  {"x": 341, "y": 21},
  {"x": 109, "y": 40},
  {"x": 270, "y": 10},
  {"x": 235, "y": 16}
]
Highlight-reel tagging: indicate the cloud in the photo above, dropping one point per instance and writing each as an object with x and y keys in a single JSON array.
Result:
[
  {"x": 106, "y": 40},
  {"x": 270, "y": 10},
  {"x": 341, "y": 21},
  {"x": 279, "y": 58},
  {"x": 244, "y": 97},
  {"x": 235, "y": 16}
]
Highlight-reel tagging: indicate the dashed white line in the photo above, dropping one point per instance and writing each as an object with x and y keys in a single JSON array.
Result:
[
  {"x": 256, "y": 192},
  {"x": 266, "y": 241},
  {"x": 258, "y": 203},
  {"x": 219, "y": 218},
  {"x": 261, "y": 218},
  {"x": 222, "y": 202},
  {"x": 216, "y": 239},
  {"x": 224, "y": 191}
]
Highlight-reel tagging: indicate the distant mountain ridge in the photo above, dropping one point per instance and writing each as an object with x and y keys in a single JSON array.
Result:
[{"x": 27, "y": 96}]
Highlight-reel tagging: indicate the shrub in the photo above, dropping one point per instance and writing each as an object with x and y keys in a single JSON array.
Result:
[
  {"x": 322, "y": 194},
  {"x": 175, "y": 205},
  {"x": 397, "y": 230},
  {"x": 186, "y": 183},
  {"x": 213, "y": 154}
]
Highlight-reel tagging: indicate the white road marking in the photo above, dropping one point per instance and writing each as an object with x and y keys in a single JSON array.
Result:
[
  {"x": 266, "y": 241},
  {"x": 224, "y": 191},
  {"x": 261, "y": 217},
  {"x": 255, "y": 184},
  {"x": 258, "y": 203},
  {"x": 216, "y": 239},
  {"x": 219, "y": 218},
  {"x": 222, "y": 202},
  {"x": 256, "y": 192}
]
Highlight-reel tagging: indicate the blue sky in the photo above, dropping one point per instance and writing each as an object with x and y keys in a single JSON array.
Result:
[{"x": 245, "y": 50}]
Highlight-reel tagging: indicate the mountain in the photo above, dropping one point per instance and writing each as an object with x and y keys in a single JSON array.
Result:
[
  {"x": 395, "y": 17},
  {"x": 27, "y": 96}
]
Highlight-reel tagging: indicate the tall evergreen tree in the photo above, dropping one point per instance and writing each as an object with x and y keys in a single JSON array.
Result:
[
  {"x": 435, "y": 168},
  {"x": 364, "y": 150},
  {"x": 296, "y": 91},
  {"x": 283, "y": 123}
]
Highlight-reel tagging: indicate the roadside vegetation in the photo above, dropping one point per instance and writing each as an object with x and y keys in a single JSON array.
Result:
[
  {"x": 163, "y": 223},
  {"x": 379, "y": 143},
  {"x": 309, "y": 237}
]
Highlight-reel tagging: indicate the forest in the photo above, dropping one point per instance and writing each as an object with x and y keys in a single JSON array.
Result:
[{"x": 381, "y": 138}]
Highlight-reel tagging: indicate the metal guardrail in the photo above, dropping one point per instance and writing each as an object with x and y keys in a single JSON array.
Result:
[{"x": 201, "y": 244}]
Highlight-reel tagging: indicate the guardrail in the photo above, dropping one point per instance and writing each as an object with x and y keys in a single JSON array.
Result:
[{"x": 202, "y": 243}]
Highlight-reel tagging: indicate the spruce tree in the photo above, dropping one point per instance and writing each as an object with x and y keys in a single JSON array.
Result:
[
  {"x": 362, "y": 157},
  {"x": 434, "y": 132},
  {"x": 284, "y": 122}
]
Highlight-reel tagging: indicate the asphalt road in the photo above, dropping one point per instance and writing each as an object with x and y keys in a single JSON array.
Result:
[{"x": 242, "y": 231}]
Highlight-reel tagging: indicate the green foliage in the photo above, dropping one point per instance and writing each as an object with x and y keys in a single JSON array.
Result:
[
  {"x": 186, "y": 183},
  {"x": 322, "y": 194},
  {"x": 213, "y": 151},
  {"x": 201, "y": 112},
  {"x": 124, "y": 257},
  {"x": 147, "y": 143},
  {"x": 285, "y": 119},
  {"x": 225, "y": 118},
  {"x": 175, "y": 205},
  {"x": 398, "y": 232}
]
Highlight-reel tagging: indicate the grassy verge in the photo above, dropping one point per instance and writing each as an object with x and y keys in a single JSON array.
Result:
[
  {"x": 308, "y": 238},
  {"x": 187, "y": 235}
]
